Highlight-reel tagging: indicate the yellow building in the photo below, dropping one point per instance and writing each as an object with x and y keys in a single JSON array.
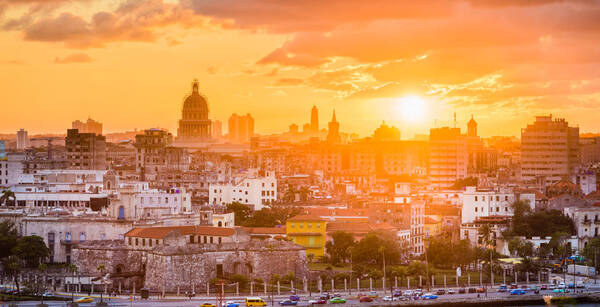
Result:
[
  {"x": 308, "y": 231},
  {"x": 433, "y": 226}
]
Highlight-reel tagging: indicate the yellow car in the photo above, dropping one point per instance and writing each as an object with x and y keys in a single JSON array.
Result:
[
  {"x": 85, "y": 300},
  {"x": 208, "y": 305}
]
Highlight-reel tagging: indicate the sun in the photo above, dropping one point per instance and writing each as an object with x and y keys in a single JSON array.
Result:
[{"x": 411, "y": 108}]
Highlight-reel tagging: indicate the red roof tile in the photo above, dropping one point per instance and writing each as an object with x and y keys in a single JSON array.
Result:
[{"x": 161, "y": 232}]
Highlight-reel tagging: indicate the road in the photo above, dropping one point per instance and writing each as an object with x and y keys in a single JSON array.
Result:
[{"x": 351, "y": 300}]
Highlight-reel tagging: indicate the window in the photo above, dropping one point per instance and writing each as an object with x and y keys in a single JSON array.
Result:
[
  {"x": 211, "y": 240},
  {"x": 82, "y": 236},
  {"x": 68, "y": 236},
  {"x": 102, "y": 236},
  {"x": 475, "y": 209},
  {"x": 475, "y": 198},
  {"x": 129, "y": 241}
]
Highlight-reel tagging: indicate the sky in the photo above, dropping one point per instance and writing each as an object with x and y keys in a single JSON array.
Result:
[{"x": 413, "y": 64}]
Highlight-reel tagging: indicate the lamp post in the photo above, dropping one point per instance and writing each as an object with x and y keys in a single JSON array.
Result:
[{"x": 350, "y": 251}]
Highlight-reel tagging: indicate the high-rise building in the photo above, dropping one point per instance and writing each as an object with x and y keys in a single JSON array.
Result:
[
  {"x": 241, "y": 128},
  {"x": 217, "y": 129},
  {"x": 448, "y": 156},
  {"x": 155, "y": 154},
  {"x": 386, "y": 133},
  {"x": 314, "y": 120},
  {"x": 85, "y": 150},
  {"x": 194, "y": 125},
  {"x": 333, "y": 135},
  {"x": 549, "y": 150},
  {"x": 22, "y": 139},
  {"x": 472, "y": 127},
  {"x": 90, "y": 126}
]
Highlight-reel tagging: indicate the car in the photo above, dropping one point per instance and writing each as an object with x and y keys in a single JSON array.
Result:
[
  {"x": 462, "y": 290},
  {"x": 429, "y": 296},
  {"x": 560, "y": 290},
  {"x": 397, "y": 293},
  {"x": 294, "y": 297},
  {"x": 580, "y": 285},
  {"x": 503, "y": 288},
  {"x": 451, "y": 291},
  {"x": 440, "y": 292},
  {"x": 337, "y": 295},
  {"x": 208, "y": 305},
  {"x": 288, "y": 303},
  {"x": 373, "y": 294},
  {"x": 232, "y": 304},
  {"x": 365, "y": 299},
  {"x": 419, "y": 291},
  {"x": 525, "y": 287},
  {"x": 409, "y": 293},
  {"x": 514, "y": 286},
  {"x": 85, "y": 300},
  {"x": 551, "y": 287},
  {"x": 389, "y": 298},
  {"x": 571, "y": 285},
  {"x": 544, "y": 287},
  {"x": 317, "y": 302},
  {"x": 337, "y": 300},
  {"x": 324, "y": 296},
  {"x": 472, "y": 290},
  {"x": 517, "y": 292},
  {"x": 561, "y": 285},
  {"x": 480, "y": 290}
]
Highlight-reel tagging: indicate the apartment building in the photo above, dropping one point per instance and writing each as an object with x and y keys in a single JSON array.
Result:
[
  {"x": 250, "y": 189},
  {"x": 448, "y": 156},
  {"x": 85, "y": 150}
]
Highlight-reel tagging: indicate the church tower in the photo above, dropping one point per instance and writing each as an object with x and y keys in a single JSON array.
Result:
[
  {"x": 472, "y": 127},
  {"x": 333, "y": 136}
]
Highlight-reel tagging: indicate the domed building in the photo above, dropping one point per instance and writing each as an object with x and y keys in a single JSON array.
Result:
[{"x": 194, "y": 125}]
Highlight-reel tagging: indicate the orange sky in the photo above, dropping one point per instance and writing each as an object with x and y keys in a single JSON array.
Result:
[{"x": 129, "y": 63}]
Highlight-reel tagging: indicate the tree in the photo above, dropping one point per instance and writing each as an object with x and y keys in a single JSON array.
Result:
[
  {"x": 591, "y": 251},
  {"x": 240, "y": 211},
  {"x": 365, "y": 248},
  {"x": 485, "y": 231},
  {"x": 416, "y": 268},
  {"x": 558, "y": 244},
  {"x": 459, "y": 184},
  {"x": 528, "y": 265},
  {"x": 240, "y": 279},
  {"x": 31, "y": 250},
  {"x": 337, "y": 247},
  {"x": 520, "y": 247},
  {"x": 7, "y": 196},
  {"x": 12, "y": 265},
  {"x": 8, "y": 238}
]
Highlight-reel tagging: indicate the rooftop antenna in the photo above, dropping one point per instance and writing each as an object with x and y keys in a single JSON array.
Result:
[{"x": 454, "y": 119}]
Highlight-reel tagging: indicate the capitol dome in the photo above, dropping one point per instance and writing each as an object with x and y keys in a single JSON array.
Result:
[{"x": 195, "y": 105}]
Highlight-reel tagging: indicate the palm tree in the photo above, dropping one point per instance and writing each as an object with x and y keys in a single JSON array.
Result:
[
  {"x": 6, "y": 196},
  {"x": 102, "y": 268},
  {"x": 485, "y": 232}
]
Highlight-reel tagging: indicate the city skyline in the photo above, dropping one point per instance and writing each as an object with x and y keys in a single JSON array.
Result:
[{"x": 68, "y": 59}]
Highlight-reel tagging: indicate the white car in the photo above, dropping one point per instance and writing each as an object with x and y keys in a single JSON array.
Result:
[
  {"x": 389, "y": 298},
  {"x": 451, "y": 291},
  {"x": 408, "y": 293}
]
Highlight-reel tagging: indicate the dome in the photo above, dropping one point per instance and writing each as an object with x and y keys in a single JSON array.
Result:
[{"x": 195, "y": 105}]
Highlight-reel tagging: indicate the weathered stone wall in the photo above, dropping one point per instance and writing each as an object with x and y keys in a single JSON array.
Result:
[
  {"x": 169, "y": 267},
  {"x": 173, "y": 267}
]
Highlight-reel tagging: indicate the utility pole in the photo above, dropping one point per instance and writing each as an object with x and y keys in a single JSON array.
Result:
[
  {"x": 350, "y": 251},
  {"x": 595, "y": 273}
]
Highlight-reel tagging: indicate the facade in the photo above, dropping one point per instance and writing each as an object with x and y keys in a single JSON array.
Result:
[
  {"x": 194, "y": 125},
  {"x": 483, "y": 203},
  {"x": 252, "y": 190},
  {"x": 90, "y": 126},
  {"x": 309, "y": 232},
  {"x": 448, "y": 156},
  {"x": 22, "y": 139},
  {"x": 217, "y": 129},
  {"x": 85, "y": 150},
  {"x": 549, "y": 150},
  {"x": 586, "y": 221},
  {"x": 586, "y": 180},
  {"x": 241, "y": 128},
  {"x": 154, "y": 154},
  {"x": 11, "y": 168}
]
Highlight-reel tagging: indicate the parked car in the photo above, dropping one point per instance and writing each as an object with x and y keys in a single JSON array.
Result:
[
  {"x": 544, "y": 287},
  {"x": 472, "y": 290},
  {"x": 429, "y": 296},
  {"x": 317, "y": 302},
  {"x": 517, "y": 292},
  {"x": 208, "y": 305},
  {"x": 409, "y": 293},
  {"x": 232, "y": 304},
  {"x": 294, "y": 297},
  {"x": 503, "y": 288},
  {"x": 324, "y": 296},
  {"x": 462, "y": 290},
  {"x": 524, "y": 287},
  {"x": 451, "y": 291},
  {"x": 337, "y": 300},
  {"x": 288, "y": 303},
  {"x": 397, "y": 293},
  {"x": 365, "y": 299},
  {"x": 85, "y": 300},
  {"x": 440, "y": 292},
  {"x": 373, "y": 294},
  {"x": 389, "y": 298},
  {"x": 480, "y": 290},
  {"x": 514, "y": 286}
]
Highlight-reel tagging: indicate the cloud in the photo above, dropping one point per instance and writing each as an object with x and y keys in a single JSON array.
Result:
[
  {"x": 73, "y": 58},
  {"x": 288, "y": 82},
  {"x": 133, "y": 20}
]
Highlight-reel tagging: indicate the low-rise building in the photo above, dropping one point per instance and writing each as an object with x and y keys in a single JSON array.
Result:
[
  {"x": 251, "y": 190},
  {"x": 308, "y": 231}
]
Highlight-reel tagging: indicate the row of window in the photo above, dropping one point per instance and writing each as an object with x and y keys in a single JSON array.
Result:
[
  {"x": 205, "y": 239},
  {"x": 492, "y": 198},
  {"x": 308, "y": 225}
]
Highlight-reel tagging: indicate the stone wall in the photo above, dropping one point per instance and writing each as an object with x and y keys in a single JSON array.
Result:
[
  {"x": 192, "y": 266},
  {"x": 170, "y": 268}
]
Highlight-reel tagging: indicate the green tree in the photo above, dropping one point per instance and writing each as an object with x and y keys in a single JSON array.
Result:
[
  {"x": 364, "y": 250},
  {"x": 520, "y": 247},
  {"x": 240, "y": 211},
  {"x": 12, "y": 265},
  {"x": 31, "y": 250},
  {"x": 591, "y": 252},
  {"x": 338, "y": 246},
  {"x": 8, "y": 238},
  {"x": 240, "y": 279}
]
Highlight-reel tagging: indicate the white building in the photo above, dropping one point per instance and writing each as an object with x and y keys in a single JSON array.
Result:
[
  {"x": 135, "y": 201},
  {"x": 586, "y": 180},
  {"x": 587, "y": 222},
  {"x": 478, "y": 203},
  {"x": 252, "y": 190},
  {"x": 12, "y": 168}
]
